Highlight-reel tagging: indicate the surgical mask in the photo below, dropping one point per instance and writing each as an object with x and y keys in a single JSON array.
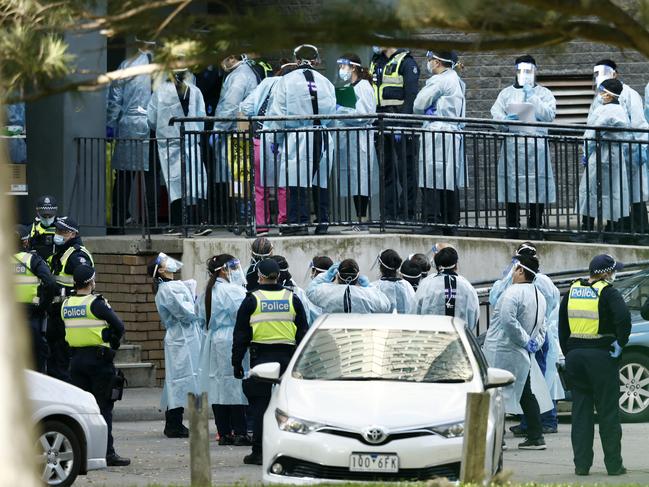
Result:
[
  {"x": 600, "y": 98},
  {"x": 344, "y": 74},
  {"x": 377, "y": 50},
  {"x": 165, "y": 262},
  {"x": 58, "y": 239},
  {"x": 429, "y": 67},
  {"x": 525, "y": 74},
  {"x": 601, "y": 73},
  {"x": 237, "y": 277},
  {"x": 611, "y": 278},
  {"x": 47, "y": 222}
]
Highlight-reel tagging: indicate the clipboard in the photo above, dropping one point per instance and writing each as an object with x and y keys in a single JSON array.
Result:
[{"x": 346, "y": 97}]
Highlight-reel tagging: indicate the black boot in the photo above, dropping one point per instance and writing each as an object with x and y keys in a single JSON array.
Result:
[
  {"x": 114, "y": 460},
  {"x": 255, "y": 458},
  {"x": 174, "y": 427}
]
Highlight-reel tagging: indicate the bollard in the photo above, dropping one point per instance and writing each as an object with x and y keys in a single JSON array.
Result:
[
  {"x": 475, "y": 437},
  {"x": 199, "y": 444}
]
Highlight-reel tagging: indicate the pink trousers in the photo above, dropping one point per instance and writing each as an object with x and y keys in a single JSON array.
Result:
[{"x": 262, "y": 195}]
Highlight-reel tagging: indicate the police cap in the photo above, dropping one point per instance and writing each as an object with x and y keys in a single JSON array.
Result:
[
  {"x": 46, "y": 205},
  {"x": 603, "y": 263},
  {"x": 268, "y": 268},
  {"x": 83, "y": 274},
  {"x": 67, "y": 224}
]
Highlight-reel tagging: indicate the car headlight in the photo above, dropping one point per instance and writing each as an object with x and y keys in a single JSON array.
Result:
[
  {"x": 452, "y": 430},
  {"x": 295, "y": 425}
]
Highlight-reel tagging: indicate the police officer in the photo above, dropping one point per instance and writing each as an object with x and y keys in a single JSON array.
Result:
[
  {"x": 271, "y": 322},
  {"x": 41, "y": 234},
  {"x": 70, "y": 254},
  {"x": 396, "y": 82},
  {"x": 35, "y": 287},
  {"x": 594, "y": 325},
  {"x": 93, "y": 332}
]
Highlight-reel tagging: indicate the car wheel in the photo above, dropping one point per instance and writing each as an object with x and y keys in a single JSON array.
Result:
[
  {"x": 634, "y": 387},
  {"x": 60, "y": 454}
]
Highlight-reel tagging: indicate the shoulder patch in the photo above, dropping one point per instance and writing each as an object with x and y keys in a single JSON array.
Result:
[
  {"x": 415, "y": 70},
  {"x": 82, "y": 260}
]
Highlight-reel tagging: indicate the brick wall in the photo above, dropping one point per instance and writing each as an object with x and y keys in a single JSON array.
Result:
[{"x": 123, "y": 281}]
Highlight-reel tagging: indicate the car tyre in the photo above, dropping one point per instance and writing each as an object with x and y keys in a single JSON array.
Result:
[
  {"x": 60, "y": 454},
  {"x": 634, "y": 387}
]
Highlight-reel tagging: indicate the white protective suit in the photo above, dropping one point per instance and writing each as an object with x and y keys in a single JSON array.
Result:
[
  {"x": 215, "y": 370},
  {"x": 534, "y": 179},
  {"x": 355, "y": 149},
  {"x": 332, "y": 297},
  {"x": 311, "y": 310},
  {"x": 552, "y": 301},
  {"x": 615, "y": 189},
  {"x": 126, "y": 113},
  {"x": 430, "y": 299},
  {"x": 441, "y": 155},
  {"x": 164, "y": 105},
  {"x": 291, "y": 97},
  {"x": 399, "y": 292},
  {"x": 518, "y": 316},
  {"x": 636, "y": 166},
  {"x": 182, "y": 342}
]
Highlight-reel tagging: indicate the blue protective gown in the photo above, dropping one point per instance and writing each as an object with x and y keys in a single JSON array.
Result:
[
  {"x": 182, "y": 342},
  {"x": 399, "y": 292},
  {"x": 215, "y": 369},
  {"x": 342, "y": 298},
  {"x": 311, "y": 310}
]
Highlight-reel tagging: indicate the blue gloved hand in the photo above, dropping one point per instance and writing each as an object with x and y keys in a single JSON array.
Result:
[
  {"x": 584, "y": 161},
  {"x": 338, "y": 107},
  {"x": 330, "y": 275},
  {"x": 528, "y": 90},
  {"x": 617, "y": 350},
  {"x": 430, "y": 111},
  {"x": 214, "y": 140},
  {"x": 110, "y": 133},
  {"x": 532, "y": 346},
  {"x": 512, "y": 116},
  {"x": 274, "y": 148},
  {"x": 363, "y": 281},
  {"x": 397, "y": 137}
]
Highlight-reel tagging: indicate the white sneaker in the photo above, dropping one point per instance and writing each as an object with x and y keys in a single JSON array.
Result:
[
  {"x": 357, "y": 229},
  {"x": 202, "y": 231},
  {"x": 172, "y": 232}
]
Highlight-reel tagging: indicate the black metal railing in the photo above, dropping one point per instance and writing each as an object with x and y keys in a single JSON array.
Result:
[{"x": 413, "y": 173}]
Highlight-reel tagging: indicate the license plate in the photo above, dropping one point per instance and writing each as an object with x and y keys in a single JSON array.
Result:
[{"x": 374, "y": 462}]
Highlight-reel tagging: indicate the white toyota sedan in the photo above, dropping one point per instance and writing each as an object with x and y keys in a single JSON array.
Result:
[
  {"x": 377, "y": 398},
  {"x": 72, "y": 432}
]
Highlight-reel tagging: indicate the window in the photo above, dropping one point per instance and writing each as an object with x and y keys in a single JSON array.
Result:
[{"x": 574, "y": 94}]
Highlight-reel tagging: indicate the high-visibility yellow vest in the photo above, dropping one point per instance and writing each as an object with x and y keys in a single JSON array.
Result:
[
  {"x": 273, "y": 321},
  {"x": 82, "y": 328},
  {"x": 392, "y": 81},
  {"x": 583, "y": 309},
  {"x": 25, "y": 281},
  {"x": 267, "y": 68},
  {"x": 64, "y": 279},
  {"x": 38, "y": 229}
]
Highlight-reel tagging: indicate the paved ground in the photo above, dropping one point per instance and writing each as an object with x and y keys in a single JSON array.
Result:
[{"x": 158, "y": 460}]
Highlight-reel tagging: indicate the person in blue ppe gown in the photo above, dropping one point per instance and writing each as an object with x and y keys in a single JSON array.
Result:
[
  {"x": 516, "y": 333},
  {"x": 550, "y": 353},
  {"x": 635, "y": 154},
  {"x": 355, "y": 152},
  {"x": 217, "y": 308},
  {"x": 447, "y": 293},
  {"x": 175, "y": 301},
  {"x": 611, "y": 161},
  {"x": 286, "y": 280},
  {"x": 398, "y": 290},
  {"x": 126, "y": 121},
  {"x": 525, "y": 175},
  {"x": 441, "y": 155},
  {"x": 305, "y": 157},
  {"x": 342, "y": 289},
  {"x": 15, "y": 121},
  {"x": 319, "y": 264}
]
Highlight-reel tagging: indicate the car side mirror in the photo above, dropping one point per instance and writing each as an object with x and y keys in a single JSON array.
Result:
[
  {"x": 498, "y": 378},
  {"x": 268, "y": 372}
]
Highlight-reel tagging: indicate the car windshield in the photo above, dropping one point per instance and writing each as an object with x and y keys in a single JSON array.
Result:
[
  {"x": 634, "y": 289},
  {"x": 379, "y": 354}
]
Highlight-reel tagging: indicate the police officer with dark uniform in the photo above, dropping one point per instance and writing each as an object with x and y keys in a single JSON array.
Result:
[
  {"x": 396, "y": 82},
  {"x": 70, "y": 254},
  {"x": 41, "y": 234},
  {"x": 271, "y": 322},
  {"x": 93, "y": 332},
  {"x": 594, "y": 325},
  {"x": 35, "y": 287}
]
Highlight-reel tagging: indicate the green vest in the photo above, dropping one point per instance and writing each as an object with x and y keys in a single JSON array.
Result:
[
  {"x": 82, "y": 328},
  {"x": 25, "y": 282},
  {"x": 583, "y": 309},
  {"x": 391, "y": 81},
  {"x": 273, "y": 321},
  {"x": 64, "y": 279}
]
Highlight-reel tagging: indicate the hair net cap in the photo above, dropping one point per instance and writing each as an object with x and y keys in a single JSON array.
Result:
[
  {"x": 613, "y": 86},
  {"x": 446, "y": 258}
]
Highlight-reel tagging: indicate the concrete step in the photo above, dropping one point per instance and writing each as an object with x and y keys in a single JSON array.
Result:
[
  {"x": 129, "y": 354},
  {"x": 139, "y": 374}
]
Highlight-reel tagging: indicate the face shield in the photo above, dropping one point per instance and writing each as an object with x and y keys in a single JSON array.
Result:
[
  {"x": 163, "y": 261},
  {"x": 345, "y": 68},
  {"x": 525, "y": 74},
  {"x": 601, "y": 73},
  {"x": 601, "y": 91},
  {"x": 430, "y": 56},
  {"x": 234, "y": 272}
]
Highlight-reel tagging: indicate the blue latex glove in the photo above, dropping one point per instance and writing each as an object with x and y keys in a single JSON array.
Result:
[
  {"x": 338, "y": 107},
  {"x": 532, "y": 346},
  {"x": 110, "y": 133},
  {"x": 397, "y": 137},
  {"x": 214, "y": 140},
  {"x": 363, "y": 281},
  {"x": 512, "y": 116},
  {"x": 430, "y": 111},
  {"x": 331, "y": 272},
  {"x": 617, "y": 350},
  {"x": 584, "y": 161},
  {"x": 528, "y": 90},
  {"x": 274, "y": 148}
]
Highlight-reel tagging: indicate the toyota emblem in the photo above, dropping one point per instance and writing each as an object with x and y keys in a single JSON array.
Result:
[{"x": 374, "y": 435}]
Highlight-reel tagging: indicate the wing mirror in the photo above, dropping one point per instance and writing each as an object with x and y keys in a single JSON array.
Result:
[
  {"x": 268, "y": 372},
  {"x": 498, "y": 378}
]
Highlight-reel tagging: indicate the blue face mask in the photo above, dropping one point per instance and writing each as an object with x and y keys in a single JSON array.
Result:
[
  {"x": 47, "y": 222},
  {"x": 344, "y": 74},
  {"x": 58, "y": 239},
  {"x": 376, "y": 50}
]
